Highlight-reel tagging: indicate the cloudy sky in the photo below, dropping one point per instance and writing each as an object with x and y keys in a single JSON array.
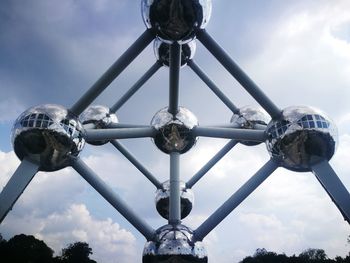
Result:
[{"x": 298, "y": 52}]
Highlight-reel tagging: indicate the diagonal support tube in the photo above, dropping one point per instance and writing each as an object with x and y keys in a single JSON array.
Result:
[
  {"x": 102, "y": 83},
  {"x": 217, "y": 157},
  {"x": 231, "y": 133},
  {"x": 212, "y": 86},
  {"x": 174, "y": 199},
  {"x": 136, "y": 86},
  {"x": 137, "y": 164},
  {"x": 238, "y": 74},
  {"x": 107, "y": 192},
  {"x": 16, "y": 185},
  {"x": 122, "y": 133},
  {"x": 334, "y": 187},
  {"x": 174, "y": 77},
  {"x": 238, "y": 197}
]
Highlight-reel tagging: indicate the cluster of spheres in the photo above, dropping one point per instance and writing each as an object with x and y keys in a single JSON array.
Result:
[{"x": 49, "y": 135}]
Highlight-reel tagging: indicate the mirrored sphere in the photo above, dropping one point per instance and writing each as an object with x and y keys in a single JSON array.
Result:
[
  {"x": 174, "y": 134},
  {"x": 162, "y": 200},
  {"x": 162, "y": 51},
  {"x": 100, "y": 117},
  {"x": 248, "y": 117},
  {"x": 47, "y": 135},
  {"x": 176, "y": 20},
  {"x": 174, "y": 244},
  {"x": 302, "y": 137}
]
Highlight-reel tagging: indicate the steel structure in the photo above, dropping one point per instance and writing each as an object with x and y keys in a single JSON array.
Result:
[{"x": 50, "y": 137}]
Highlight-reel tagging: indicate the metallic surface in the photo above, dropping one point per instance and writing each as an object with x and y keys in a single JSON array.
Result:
[
  {"x": 137, "y": 164},
  {"x": 101, "y": 117},
  {"x": 176, "y": 20},
  {"x": 118, "y": 67},
  {"x": 246, "y": 82},
  {"x": 119, "y": 133},
  {"x": 174, "y": 244},
  {"x": 302, "y": 137},
  {"x": 248, "y": 117},
  {"x": 174, "y": 134},
  {"x": 162, "y": 51},
  {"x": 238, "y": 197},
  {"x": 174, "y": 77},
  {"x": 47, "y": 135},
  {"x": 162, "y": 200},
  {"x": 149, "y": 73},
  {"x": 334, "y": 187},
  {"x": 16, "y": 185},
  {"x": 231, "y": 133},
  {"x": 210, "y": 164},
  {"x": 111, "y": 197},
  {"x": 201, "y": 74}
]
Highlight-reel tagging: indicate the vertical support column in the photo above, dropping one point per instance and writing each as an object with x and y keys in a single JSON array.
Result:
[
  {"x": 174, "y": 200},
  {"x": 174, "y": 76}
]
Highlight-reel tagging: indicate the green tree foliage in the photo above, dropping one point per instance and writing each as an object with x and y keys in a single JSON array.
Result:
[
  {"x": 23, "y": 249},
  {"x": 78, "y": 252},
  {"x": 310, "y": 255},
  {"x": 28, "y": 249},
  {"x": 313, "y": 255}
]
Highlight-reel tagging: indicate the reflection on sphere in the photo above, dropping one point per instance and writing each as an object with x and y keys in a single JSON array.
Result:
[
  {"x": 100, "y": 117},
  {"x": 174, "y": 244},
  {"x": 174, "y": 134},
  {"x": 302, "y": 137},
  {"x": 162, "y": 200},
  {"x": 248, "y": 117},
  {"x": 47, "y": 135},
  {"x": 162, "y": 51},
  {"x": 176, "y": 20}
]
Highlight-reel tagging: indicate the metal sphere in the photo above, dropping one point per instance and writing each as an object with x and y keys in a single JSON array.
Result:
[
  {"x": 162, "y": 51},
  {"x": 248, "y": 117},
  {"x": 174, "y": 244},
  {"x": 174, "y": 132},
  {"x": 100, "y": 117},
  {"x": 162, "y": 200},
  {"x": 302, "y": 137},
  {"x": 176, "y": 20},
  {"x": 47, "y": 135}
]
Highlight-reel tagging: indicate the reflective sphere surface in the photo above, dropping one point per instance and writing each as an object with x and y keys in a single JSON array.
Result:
[
  {"x": 174, "y": 244},
  {"x": 302, "y": 137},
  {"x": 176, "y": 20},
  {"x": 162, "y": 51},
  {"x": 47, "y": 135},
  {"x": 174, "y": 134},
  {"x": 162, "y": 200},
  {"x": 248, "y": 117},
  {"x": 101, "y": 117}
]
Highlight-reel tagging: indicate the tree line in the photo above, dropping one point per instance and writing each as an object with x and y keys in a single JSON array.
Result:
[
  {"x": 27, "y": 249},
  {"x": 310, "y": 255}
]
